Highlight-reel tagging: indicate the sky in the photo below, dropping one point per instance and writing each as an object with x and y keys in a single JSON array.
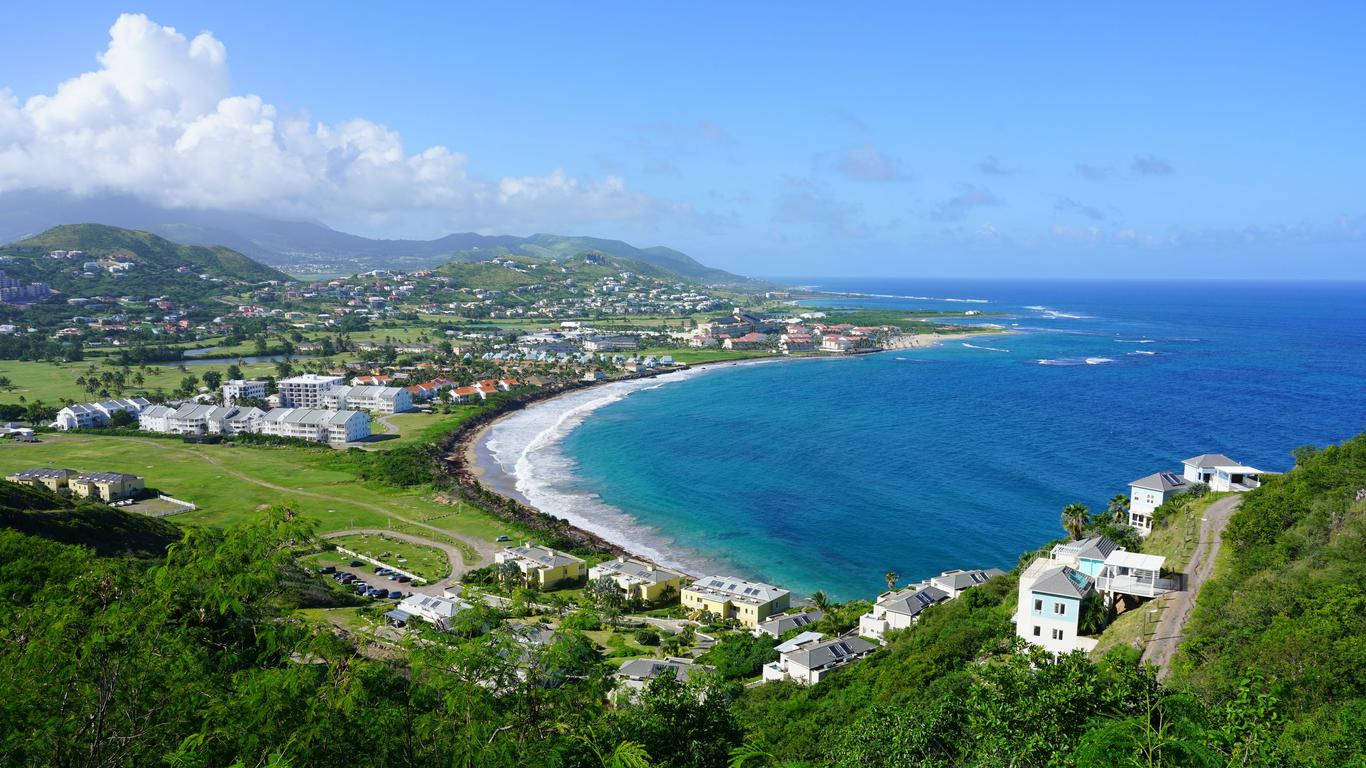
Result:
[{"x": 1009, "y": 139}]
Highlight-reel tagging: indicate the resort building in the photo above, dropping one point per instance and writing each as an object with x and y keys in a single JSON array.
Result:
[
  {"x": 307, "y": 391},
  {"x": 368, "y": 398},
  {"x": 54, "y": 480},
  {"x": 899, "y": 609},
  {"x": 243, "y": 389},
  {"x": 542, "y": 566},
  {"x": 87, "y": 415},
  {"x": 748, "y": 602},
  {"x": 153, "y": 418},
  {"x": 195, "y": 419},
  {"x": 437, "y": 611},
  {"x": 777, "y": 626},
  {"x": 320, "y": 426},
  {"x": 639, "y": 580},
  {"x": 808, "y": 663},
  {"x": 1151, "y": 492},
  {"x": 107, "y": 486},
  {"x": 635, "y": 675},
  {"x": 1221, "y": 473}
]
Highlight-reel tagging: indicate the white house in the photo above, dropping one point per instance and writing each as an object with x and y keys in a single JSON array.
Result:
[
  {"x": 86, "y": 415},
  {"x": 243, "y": 389},
  {"x": 636, "y": 674},
  {"x": 1221, "y": 473},
  {"x": 374, "y": 399},
  {"x": 1149, "y": 493},
  {"x": 779, "y": 625},
  {"x": 808, "y": 663},
  {"x": 306, "y": 391},
  {"x": 1048, "y": 611},
  {"x": 321, "y": 426},
  {"x": 901, "y": 608},
  {"x": 437, "y": 611},
  {"x": 957, "y": 581}
]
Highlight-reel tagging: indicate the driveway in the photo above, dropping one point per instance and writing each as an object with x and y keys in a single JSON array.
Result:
[
  {"x": 1177, "y": 610},
  {"x": 453, "y": 555}
]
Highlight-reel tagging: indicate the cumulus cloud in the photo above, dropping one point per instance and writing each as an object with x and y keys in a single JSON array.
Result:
[
  {"x": 1068, "y": 205},
  {"x": 158, "y": 120},
  {"x": 868, "y": 163},
  {"x": 1150, "y": 165},
  {"x": 969, "y": 196}
]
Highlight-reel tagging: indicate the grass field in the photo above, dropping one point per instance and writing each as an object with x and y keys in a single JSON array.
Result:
[
  {"x": 695, "y": 356},
  {"x": 230, "y": 484},
  {"x": 431, "y": 564},
  {"x": 1177, "y": 539},
  {"x": 54, "y": 382},
  {"x": 417, "y": 427}
]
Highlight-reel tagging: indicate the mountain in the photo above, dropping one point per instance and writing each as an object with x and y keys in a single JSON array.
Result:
[
  {"x": 155, "y": 265},
  {"x": 304, "y": 247}
]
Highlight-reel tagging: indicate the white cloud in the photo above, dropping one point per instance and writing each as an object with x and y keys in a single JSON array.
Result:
[{"x": 158, "y": 120}]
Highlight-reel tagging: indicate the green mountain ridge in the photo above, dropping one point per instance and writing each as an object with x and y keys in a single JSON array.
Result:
[{"x": 156, "y": 263}]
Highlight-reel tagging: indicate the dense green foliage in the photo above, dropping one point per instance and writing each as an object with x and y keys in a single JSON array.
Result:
[
  {"x": 196, "y": 657},
  {"x": 1291, "y": 606},
  {"x": 105, "y": 529}
]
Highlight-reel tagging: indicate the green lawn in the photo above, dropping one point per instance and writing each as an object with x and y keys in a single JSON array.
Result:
[
  {"x": 54, "y": 382},
  {"x": 695, "y": 356},
  {"x": 204, "y": 475},
  {"x": 1176, "y": 540},
  {"x": 418, "y": 427},
  {"x": 431, "y": 564}
]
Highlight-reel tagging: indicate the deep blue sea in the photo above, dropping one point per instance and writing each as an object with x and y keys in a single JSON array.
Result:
[{"x": 824, "y": 474}]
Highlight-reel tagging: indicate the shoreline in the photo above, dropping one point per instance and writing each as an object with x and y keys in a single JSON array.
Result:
[{"x": 476, "y": 470}]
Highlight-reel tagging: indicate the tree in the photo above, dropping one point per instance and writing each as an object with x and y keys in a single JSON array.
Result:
[
  {"x": 189, "y": 384},
  {"x": 1075, "y": 518},
  {"x": 819, "y": 600},
  {"x": 234, "y": 371},
  {"x": 1119, "y": 508},
  {"x": 212, "y": 379},
  {"x": 891, "y": 578}
]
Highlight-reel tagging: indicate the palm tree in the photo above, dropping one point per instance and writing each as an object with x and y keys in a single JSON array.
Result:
[
  {"x": 819, "y": 600},
  {"x": 891, "y": 577},
  {"x": 1119, "y": 508},
  {"x": 1075, "y": 518}
]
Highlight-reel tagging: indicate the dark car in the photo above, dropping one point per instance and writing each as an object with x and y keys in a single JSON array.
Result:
[
  {"x": 357, "y": 564},
  {"x": 328, "y": 569},
  {"x": 404, "y": 579},
  {"x": 394, "y": 594}
]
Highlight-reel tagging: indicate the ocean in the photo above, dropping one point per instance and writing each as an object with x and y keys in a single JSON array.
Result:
[{"x": 824, "y": 474}]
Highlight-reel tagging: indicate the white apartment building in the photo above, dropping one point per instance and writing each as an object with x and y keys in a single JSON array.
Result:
[
  {"x": 86, "y": 415},
  {"x": 369, "y": 398},
  {"x": 808, "y": 663},
  {"x": 243, "y": 389},
  {"x": 307, "y": 391},
  {"x": 320, "y": 426}
]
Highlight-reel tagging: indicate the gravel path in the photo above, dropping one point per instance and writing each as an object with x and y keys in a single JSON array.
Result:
[{"x": 1171, "y": 628}]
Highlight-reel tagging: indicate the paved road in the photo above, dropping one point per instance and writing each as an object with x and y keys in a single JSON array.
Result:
[
  {"x": 453, "y": 554},
  {"x": 1171, "y": 628}
]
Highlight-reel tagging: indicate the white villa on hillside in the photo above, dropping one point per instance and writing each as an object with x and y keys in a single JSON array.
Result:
[
  {"x": 748, "y": 602},
  {"x": 368, "y": 398},
  {"x": 320, "y": 426},
  {"x": 86, "y": 415},
  {"x": 899, "y": 609},
  {"x": 1151, "y": 492},
  {"x": 636, "y": 674},
  {"x": 306, "y": 391},
  {"x": 1221, "y": 473},
  {"x": 437, "y": 611},
  {"x": 777, "y": 626},
  {"x": 808, "y": 663},
  {"x": 1048, "y": 612}
]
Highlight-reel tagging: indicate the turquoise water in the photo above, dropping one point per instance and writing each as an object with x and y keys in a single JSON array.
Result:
[{"x": 824, "y": 474}]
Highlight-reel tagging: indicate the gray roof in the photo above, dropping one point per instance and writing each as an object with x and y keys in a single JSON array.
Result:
[
  {"x": 1160, "y": 481},
  {"x": 830, "y": 652},
  {"x": 310, "y": 416},
  {"x": 157, "y": 411},
  {"x": 777, "y": 625},
  {"x": 649, "y": 669},
  {"x": 912, "y": 601},
  {"x": 1094, "y": 548},
  {"x": 44, "y": 472},
  {"x": 635, "y": 570},
  {"x": 959, "y": 580},
  {"x": 731, "y": 588},
  {"x": 107, "y": 477},
  {"x": 1209, "y": 460},
  {"x": 1064, "y": 582},
  {"x": 543, "y": 555}
]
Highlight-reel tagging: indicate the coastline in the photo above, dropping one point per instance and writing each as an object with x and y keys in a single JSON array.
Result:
[{"x": 477, "y": 468}]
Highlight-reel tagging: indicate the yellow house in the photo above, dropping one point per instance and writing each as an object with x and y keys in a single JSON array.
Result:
[
  {"x": 748, "y": 602},
  {"x": 639, "y": 580},
  {"x": 542, "y": 566},
  {"x": 107, "y": 486},
  {"x": 55, "y": 480}
]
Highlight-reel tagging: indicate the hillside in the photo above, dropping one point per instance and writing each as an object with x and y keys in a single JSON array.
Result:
[
  {"x": 309, "y": 247},
  {"x": 155, "y": 265},
  {"x": 106, "y": 530},
  {"x": 584, "y": 267}
]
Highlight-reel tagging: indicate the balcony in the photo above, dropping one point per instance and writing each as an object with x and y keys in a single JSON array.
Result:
[{"x": 1141, "y": 585}]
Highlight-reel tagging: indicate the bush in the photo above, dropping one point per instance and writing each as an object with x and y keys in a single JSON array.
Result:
[
  {"x": 647, "y": 637},
  {"x": 584, "y": 621}
]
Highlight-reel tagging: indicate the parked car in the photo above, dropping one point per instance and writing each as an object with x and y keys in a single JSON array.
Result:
[
  {"x": 357, "y": 564},
  {"x": 404, "y": 579},
  {"x": 328, "y": 569},
  {"x": 394, "y": 594}
]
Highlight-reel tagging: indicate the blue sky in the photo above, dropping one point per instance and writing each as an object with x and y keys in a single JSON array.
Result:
[{"x": 780, "y": 139}]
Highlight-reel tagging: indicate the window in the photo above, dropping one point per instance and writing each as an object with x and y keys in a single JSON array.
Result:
[
  {"x": 1038, "y": 604},
  {"x": 1037, "y": 630},
  {"x": 1060, "y": 609},
  {"x": 1057, "y": 634}
]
